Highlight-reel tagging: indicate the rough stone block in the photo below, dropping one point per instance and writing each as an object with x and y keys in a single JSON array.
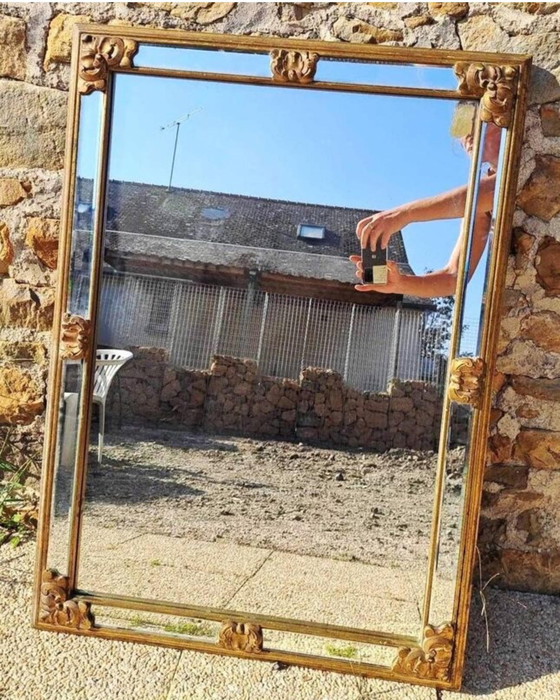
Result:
[
  {"x": 539, "y": 449},
  {"x": 356, "y": 31},
  {"x": 12, "y": 191},
  {"x": 550, "y": 119},
  {"x": 42, "y": 238},
  {"x": 13, "y": 54},
  {"x": 21, "y": 395},
  {"x": 25, "y": 306},
  {"x": 34, "y": 125},
  {"x": 6, "y": 249},
  {"x": 506, "y": 475},
  {"x": 455, "y": 10},
  {"x": 538, "y": 572},
  {"x": 548, "y": 266},
  {"x": 541, "y": 195},
  {"x": 59, "y": 40}
]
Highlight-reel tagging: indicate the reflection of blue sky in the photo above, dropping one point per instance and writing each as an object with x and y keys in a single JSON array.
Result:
[
  {"x": 258, "y": 65},
  {"x": 343, "y": 149}
]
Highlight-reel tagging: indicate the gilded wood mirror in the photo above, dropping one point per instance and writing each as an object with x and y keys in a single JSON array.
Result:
[{"x": 249, "y": 452}]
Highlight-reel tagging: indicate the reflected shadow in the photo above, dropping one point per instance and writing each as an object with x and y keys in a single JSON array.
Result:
[{"x": 116, "y": 481}]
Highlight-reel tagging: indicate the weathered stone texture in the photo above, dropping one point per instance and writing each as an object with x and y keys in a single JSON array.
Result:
[
  {"x": 537, "y": 8},
  {"x": 356, "y": 31},
  {"x": 456, "y": 10},
  {"x": 203, "y": 12},
  {"x": 21, "y": 395},
  {"x": 547, "y": 389},
  {"x": 42, "y": 238},
  {"x": 23, "y": 351},
  {"x": 541, "y": 195},
  {"x": 59, "y": 41},
  {"x": 6, "y": 249},
  {"x": 524, "y": 571},
  {"x": 34, "y": 124},
  {"x": 550, "y": 119},
  {"x": 418, "y": 21},
  {"x": 539, "y": 449},
  {"x": 23, "y": 306},
  {"x": 13, "y": 191},
  {"x": 548, "y": 266},
  {"x": 543, "y": 329},
  {"x": 13, "y": 55}
]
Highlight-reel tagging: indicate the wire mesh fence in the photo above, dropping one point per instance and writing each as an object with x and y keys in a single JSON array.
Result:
[{"x": 368, "y": 345}]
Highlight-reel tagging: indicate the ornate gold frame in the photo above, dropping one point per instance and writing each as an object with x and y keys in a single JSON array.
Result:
[{"x": 499, "y": 82}]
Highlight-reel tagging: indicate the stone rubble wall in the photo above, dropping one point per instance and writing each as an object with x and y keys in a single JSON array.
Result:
[
  {"x": 520, "y": 530},
  {"x": 234, "y": 396}
]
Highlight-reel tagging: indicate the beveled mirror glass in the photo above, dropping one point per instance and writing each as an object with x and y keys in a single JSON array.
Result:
[{"x": 249, "y": 450}]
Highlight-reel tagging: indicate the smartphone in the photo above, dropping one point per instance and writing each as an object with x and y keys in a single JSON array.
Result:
[{"x": 374, "y": 265}]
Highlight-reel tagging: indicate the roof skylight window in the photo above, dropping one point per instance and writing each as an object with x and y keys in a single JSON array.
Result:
[
  {"x": 311, "y": 232},
  {"x": 215, "y": 213}
]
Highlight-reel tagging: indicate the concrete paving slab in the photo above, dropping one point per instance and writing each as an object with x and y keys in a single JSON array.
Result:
[
  {"x": 212, "y": 557},
  {"x": 180, "y": 584},
  {"x": 336, "y": 592}
]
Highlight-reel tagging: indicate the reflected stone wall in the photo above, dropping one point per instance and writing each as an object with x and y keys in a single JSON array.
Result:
[
  {"x": 520, "y": 534},
  {"x": 234, "y": 396}
]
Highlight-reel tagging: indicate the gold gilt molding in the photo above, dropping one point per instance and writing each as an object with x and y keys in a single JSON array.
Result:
[
  {"x": 432, "y": 660},
  {"x": 58, "y": 608},
  {"x": 241, "y": 636},
  {"x": 74, "y": 337},
  {"x": 466, "y": 380},
  {"x": 495, "y": 85},
  {"x": 293, "y": 66},
  {"x": 98, "y": 55}
]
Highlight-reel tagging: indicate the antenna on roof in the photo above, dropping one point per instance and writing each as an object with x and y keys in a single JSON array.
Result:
[{"x": 177, "y": 124}]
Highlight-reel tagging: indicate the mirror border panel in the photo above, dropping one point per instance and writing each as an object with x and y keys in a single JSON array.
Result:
[{"x": 436, "y": 658}]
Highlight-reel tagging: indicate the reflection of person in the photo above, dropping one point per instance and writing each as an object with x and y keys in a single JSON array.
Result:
[{"x": 448, "y": 205}]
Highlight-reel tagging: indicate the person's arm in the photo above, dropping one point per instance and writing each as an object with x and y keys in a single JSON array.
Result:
[
  {"x": 448, "y": 205},
  {"x": 441, "y": 283}
]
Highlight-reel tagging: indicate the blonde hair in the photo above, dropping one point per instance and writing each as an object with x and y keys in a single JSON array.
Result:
[{"x": 463, "y": 119}]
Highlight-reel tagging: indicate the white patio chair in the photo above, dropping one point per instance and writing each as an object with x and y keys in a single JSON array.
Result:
[{"x": 107, "y": 364}]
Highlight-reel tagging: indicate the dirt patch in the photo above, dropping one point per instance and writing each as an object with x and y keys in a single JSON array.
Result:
[{"x": 346, "y": 504}]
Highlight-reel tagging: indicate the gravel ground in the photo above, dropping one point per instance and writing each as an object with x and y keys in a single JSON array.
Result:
[
  {"x": 522, "y": 662},
  {"x": 344, "y": 504}
]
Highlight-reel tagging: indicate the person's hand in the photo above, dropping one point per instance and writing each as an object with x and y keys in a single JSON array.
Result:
[
  {"x": 394, "y": 278},
  {"x": 380, "y": 226}
]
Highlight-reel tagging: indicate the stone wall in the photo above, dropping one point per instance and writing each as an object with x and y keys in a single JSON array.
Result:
[
  {"x": 520, "y": 529},
  {"x": 234, "y": 396}
]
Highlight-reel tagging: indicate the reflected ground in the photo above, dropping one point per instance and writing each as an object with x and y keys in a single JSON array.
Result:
[{"x": 280, "y": 528}]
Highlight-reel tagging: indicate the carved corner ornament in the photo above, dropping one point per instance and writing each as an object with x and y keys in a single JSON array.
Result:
[
  {"x": 98, "y": 54},
  {"x": 58, "y": 608},
  {"x": 430, "y": 661},
  {"x": 293, "y": 66},
  {"x": 75, "y": 337},
  {"x": 241, "y": 636},
  {"x": 466, "y": 380},
  {"x": 495, "y": 85}
]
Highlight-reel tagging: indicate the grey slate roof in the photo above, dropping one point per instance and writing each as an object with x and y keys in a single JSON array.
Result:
[
  {"x": 215, "y": 217},
  {"x": 216, "y": 228}
]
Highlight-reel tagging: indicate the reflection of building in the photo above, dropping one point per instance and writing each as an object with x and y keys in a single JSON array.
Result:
[{"x": 202, "y": 273}]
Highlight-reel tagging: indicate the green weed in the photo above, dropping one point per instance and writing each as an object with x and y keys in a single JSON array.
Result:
[
  {"x": 194, "y": 629},
  {"x": 18, "y": 500},
  {"x": 346, "y": 652}
]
